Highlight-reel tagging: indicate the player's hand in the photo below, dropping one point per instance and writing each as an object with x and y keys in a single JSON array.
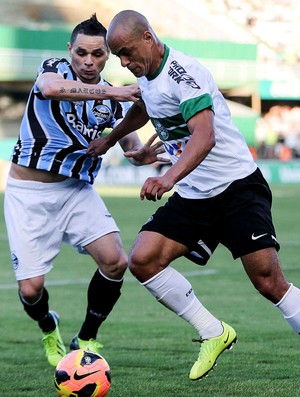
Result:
[
  {"x": 148, "y": 154},
  {"x": 155, "y": 187},
  {"x": 127, "y": 93},
  {"x": 98, "y": 146}
]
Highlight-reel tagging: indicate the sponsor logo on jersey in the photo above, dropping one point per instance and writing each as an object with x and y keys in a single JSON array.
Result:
[
  {"x": 89, "y": 133},
  {"x": 175, "y": 148},
  {"x": 179, "y": 74}
]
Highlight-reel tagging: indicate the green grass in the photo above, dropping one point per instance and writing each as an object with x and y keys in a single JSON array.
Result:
[{"x": 148, "y": 348}]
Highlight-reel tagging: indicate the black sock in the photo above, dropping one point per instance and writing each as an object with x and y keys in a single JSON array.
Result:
[
  {"x": 102, "y": 296},
  {"x": 39, "y": 311}
]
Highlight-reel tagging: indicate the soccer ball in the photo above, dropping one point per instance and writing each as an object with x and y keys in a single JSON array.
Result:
[{"x": 82, "y": 373}]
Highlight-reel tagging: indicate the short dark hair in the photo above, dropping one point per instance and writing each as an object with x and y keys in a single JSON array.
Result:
[{"x": 90, "y": 27}]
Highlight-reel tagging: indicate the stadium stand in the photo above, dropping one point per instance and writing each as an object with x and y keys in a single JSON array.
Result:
[{"x": 273, "y": 26}]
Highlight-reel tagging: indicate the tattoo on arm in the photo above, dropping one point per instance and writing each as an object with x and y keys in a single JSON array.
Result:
[{"x": 75, "y": 90}]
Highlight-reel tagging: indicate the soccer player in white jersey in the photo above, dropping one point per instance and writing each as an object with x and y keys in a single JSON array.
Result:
[
  {"x": 49, "y": 198},
  {"x": 221, "y": 194}
]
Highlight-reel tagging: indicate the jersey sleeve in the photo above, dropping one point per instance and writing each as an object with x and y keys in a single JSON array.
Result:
[
  {"x": 52, "y": 65},
  {"x": 194, "y": 88}
]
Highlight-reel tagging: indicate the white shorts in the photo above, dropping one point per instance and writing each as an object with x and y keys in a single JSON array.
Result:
[{"x": 40, "y": 216}]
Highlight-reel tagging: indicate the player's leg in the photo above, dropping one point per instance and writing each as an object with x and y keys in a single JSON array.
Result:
[
  {"x": 33, "y": 245},
  {"x": 104, "y": 289},
  {"x": 264, "y": 270},
  {"x": 149, "y": 262},
  {"x": 250, "y": 234},
  {"x": 35, "y": 299},
  {"x": 92, "y": 230}
]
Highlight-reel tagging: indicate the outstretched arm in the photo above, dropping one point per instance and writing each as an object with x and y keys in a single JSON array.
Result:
[
  {"x": 54, "y": 86},
  {"x": 135, "y": 118}
]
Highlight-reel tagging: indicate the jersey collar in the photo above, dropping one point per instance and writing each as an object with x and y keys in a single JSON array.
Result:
[{"x": 163, "y": 62}]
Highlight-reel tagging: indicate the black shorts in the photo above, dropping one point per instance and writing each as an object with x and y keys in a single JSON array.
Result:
[{"x": 239, "y": 218}]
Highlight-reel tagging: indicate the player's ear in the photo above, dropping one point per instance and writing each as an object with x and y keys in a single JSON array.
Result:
[
  {"x": 108, "y": 52},
  {"x": 69, "y": 47},
  {"x": 147, "y": 36}
]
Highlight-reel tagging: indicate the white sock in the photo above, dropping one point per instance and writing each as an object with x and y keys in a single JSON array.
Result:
[
  {"x": 175, "y": 292},
  {"x": 289, "y": 305}
]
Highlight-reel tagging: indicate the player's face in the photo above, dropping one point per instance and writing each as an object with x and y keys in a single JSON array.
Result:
[
  {"x": 134, "y": 53},
  {"x": 88, "y": 57}
]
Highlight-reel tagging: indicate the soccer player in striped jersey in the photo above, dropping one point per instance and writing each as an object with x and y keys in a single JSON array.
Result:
[
  {"x": 49, "y": 197},
  {"x": 221, "y": 196}
]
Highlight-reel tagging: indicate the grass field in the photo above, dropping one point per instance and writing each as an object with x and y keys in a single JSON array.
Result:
[{"x": 148, "y": 348}]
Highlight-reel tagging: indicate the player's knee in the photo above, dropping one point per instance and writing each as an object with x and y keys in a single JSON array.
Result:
[
  {"x": 115, "y": 267},
  {"x": 266, "y": 287},
  {"x": 145, "y": 265},
  {"x": 30, "y": 293}
]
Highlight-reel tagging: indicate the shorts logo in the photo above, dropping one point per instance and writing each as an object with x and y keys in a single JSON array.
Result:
[
  {"x": 149, "y": 220},
  {"x": 259, "y": 236},
  {"x": 14, "y": 260}
]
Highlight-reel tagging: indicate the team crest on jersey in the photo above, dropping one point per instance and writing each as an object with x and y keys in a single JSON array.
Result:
[
  {"x": 102, "y": 113},
  {"x": 179, "y": 74},
  {"x": 161, "y": 130}
]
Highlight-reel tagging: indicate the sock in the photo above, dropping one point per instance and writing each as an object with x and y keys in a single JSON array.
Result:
[
  {"x": 103, "y": 293},
  {"x": 289, "y": 305},
  {"x": 39, "y": 311},
  {"x": 174, "y": 291}
]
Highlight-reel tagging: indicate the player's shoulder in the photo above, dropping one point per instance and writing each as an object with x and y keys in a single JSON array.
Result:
[
  {"x": 184, "y": 59},
  {"x": 57, "y": 65},
  {"x": 54, "y": 62}
]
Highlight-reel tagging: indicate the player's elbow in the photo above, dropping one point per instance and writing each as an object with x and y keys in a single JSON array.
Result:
[
  {"x": 211, "y": 142},
  {"x": 47, "y": 91}
]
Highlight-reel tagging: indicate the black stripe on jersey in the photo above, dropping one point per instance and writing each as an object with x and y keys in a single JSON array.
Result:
[
  {"x": 92, "y": 169},
  {"x": 17, "y": 151},
  {"x": 84, "y": 115},
  {"x": 75, "y": 171},
  {"x": 77, "y": 167},
  {"x": 40, "y": 139},
  {"x": 60, "y": 155},
  {"x": 118, "y": 110}
]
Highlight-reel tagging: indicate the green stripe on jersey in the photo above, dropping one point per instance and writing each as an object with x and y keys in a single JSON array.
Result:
[
  {"x": 170, "y": 128},
  {"x": 175, "y": 127},
  {"x": 194, "y": 105}
]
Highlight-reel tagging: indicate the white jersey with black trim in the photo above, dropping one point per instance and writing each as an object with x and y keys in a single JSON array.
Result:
[
  {"x": 54, "y": 135},
  {"x": 179, "y": 89}
]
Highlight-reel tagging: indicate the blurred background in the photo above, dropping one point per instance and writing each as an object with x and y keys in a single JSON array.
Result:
[{"x": 251, "y": 47}]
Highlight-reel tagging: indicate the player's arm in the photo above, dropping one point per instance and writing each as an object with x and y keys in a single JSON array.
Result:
[
  {"x": 199, "y": 145},
  {"x": 54, "y": 86},
  {"x": 135, "y": 118}
]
